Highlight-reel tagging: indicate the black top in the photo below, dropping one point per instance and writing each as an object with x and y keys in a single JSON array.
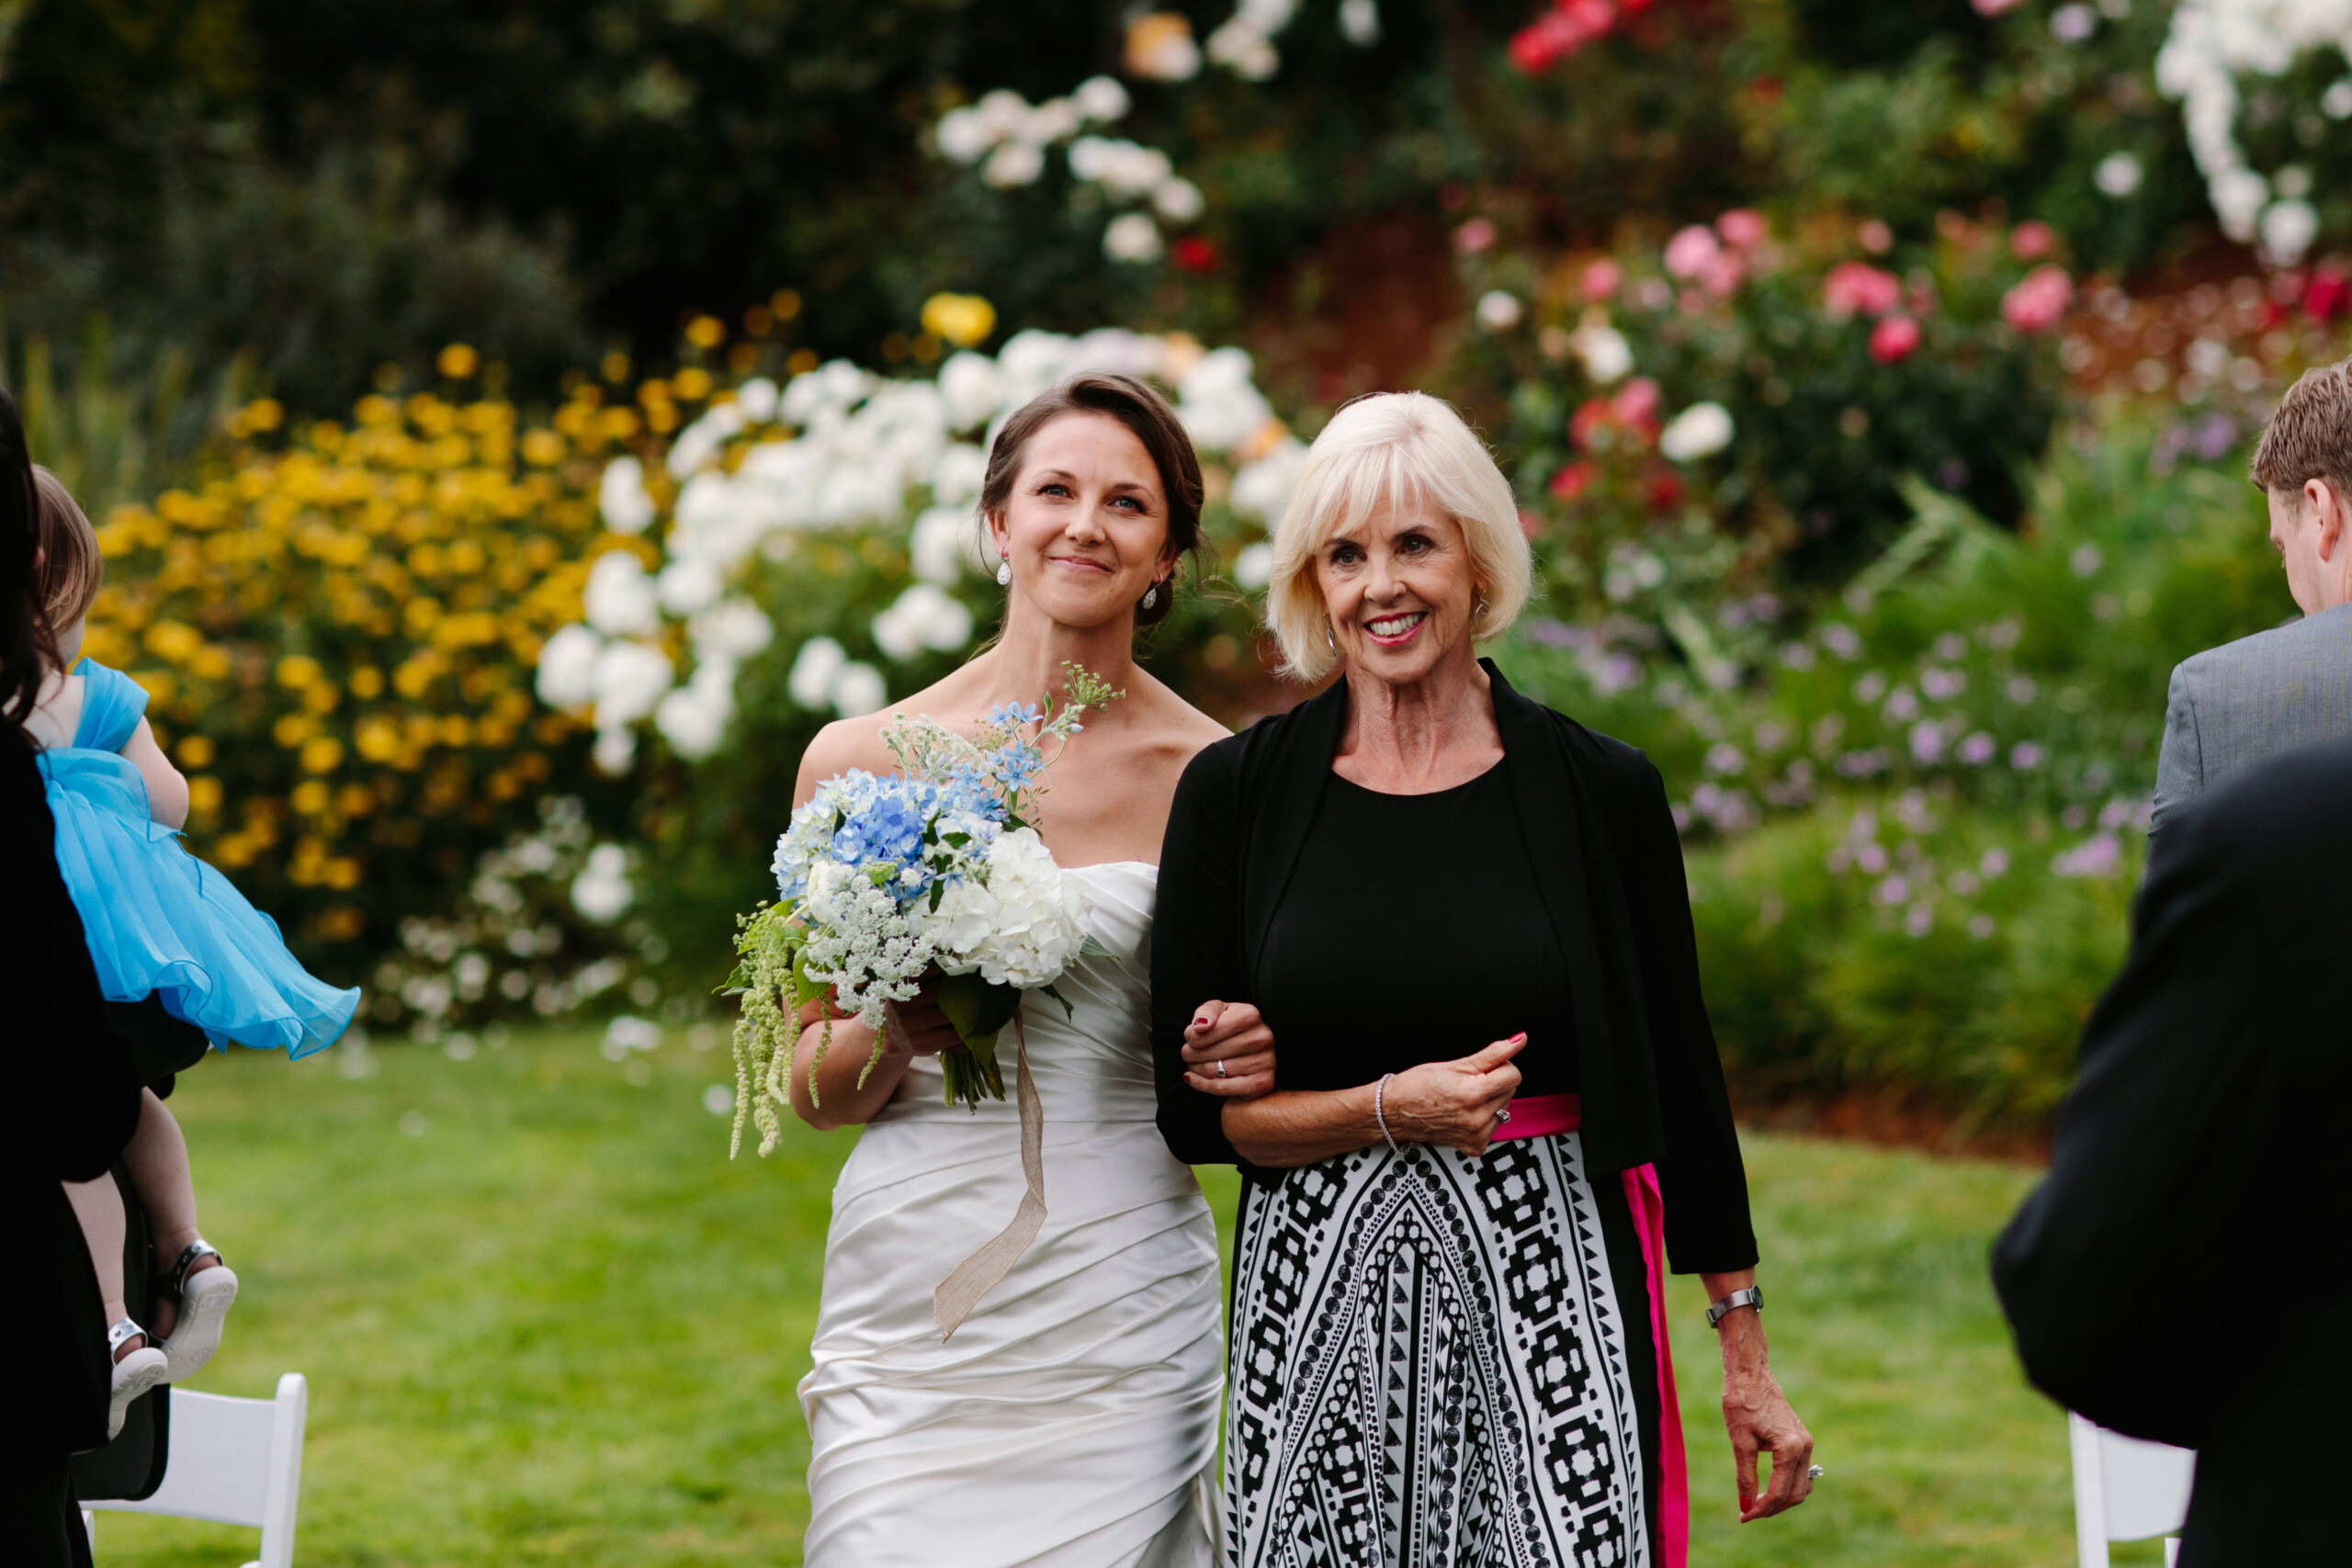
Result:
[
  {"x": 1413, "y": 932},
  {"x": 2184, "y": 1273},
  {"x": 73, "y": 1103},
  {"x": 1601, "y": 849}
]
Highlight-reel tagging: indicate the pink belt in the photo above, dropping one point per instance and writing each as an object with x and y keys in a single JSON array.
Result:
[
  {"x": 1540, "y": 1116},
  {"x": 1543, "y": 1116}
]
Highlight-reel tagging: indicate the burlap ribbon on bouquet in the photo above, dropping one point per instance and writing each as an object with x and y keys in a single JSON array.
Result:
[{"x": 958, "y": 1294}]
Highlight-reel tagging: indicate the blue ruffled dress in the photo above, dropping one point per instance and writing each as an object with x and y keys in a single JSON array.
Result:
[{"x": 160, "y": 919}]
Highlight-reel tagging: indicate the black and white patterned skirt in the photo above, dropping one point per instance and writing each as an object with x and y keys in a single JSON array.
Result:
[{"x": 1436, "y": 1363}]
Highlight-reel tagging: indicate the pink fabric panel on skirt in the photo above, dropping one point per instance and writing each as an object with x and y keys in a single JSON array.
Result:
[{"x": 1543, "y": 1116}]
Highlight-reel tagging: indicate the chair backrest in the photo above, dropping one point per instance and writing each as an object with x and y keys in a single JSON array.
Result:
[
  {"x": 236, "y": 1461},
  {"x": 2125, "y": 1489}
]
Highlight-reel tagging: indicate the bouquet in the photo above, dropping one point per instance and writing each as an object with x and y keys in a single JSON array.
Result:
[{"x": 930, "y": 872}]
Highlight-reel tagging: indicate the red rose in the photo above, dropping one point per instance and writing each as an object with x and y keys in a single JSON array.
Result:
[
  {"x": 1573, "y": 481},
  {"x": 1194, "y": 253}
]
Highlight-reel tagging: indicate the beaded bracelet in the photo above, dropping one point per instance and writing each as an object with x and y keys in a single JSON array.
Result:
[{"x": 1380, "y": 1116}]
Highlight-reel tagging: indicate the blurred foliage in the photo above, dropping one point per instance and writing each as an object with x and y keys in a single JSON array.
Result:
[
  {"x": 1914, "y": 834},
  {"x": 337, "y": 187},
  {"x": 1827, "y": 417},
  {"x": 337, "y": 634}
]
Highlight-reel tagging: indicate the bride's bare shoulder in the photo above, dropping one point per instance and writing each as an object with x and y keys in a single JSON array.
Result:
[{"x": 1177, "y": 730}]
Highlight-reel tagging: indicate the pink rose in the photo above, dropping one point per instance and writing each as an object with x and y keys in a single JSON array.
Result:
[
  {"x": 2031, "y": 242},
  {"x": 1741, "y": 227},
  {"x": 1474, "y": 236},
  {"x": 1636, "y": 402},
  {"x": 1722, "y": 273},
  {"x": 1876, "y": 237},
  {"x": 1601, "y": 280},
  {"x": 2038, "y": 299},
  {"x": 1687, "y": 253},
  {"x": 1859, "y": 289},
  {"x": 1894, "y": 338}
]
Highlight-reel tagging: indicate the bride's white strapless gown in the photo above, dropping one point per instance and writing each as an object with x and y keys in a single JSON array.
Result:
[{"x": 1071, "y": 1421}]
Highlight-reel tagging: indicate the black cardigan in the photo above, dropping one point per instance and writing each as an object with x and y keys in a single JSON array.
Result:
[{"x": 1594, "y": 817}]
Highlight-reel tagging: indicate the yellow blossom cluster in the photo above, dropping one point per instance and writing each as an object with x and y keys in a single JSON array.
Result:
[{"x": 337, "y": 632}]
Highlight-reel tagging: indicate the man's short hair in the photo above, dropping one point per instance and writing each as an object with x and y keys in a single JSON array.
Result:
[{"x": 2310, "y": 435}]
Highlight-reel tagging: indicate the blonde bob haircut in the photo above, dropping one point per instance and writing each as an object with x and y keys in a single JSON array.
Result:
[{"x": 1405, "y": 450}]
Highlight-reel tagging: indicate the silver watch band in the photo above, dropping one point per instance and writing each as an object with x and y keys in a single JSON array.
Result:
[{"x": 1750, "y": 1297}]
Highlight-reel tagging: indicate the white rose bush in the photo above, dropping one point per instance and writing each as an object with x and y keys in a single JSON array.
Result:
[
  {"x": 803, "y": 504},
  {"x": 929, "y": 872}
]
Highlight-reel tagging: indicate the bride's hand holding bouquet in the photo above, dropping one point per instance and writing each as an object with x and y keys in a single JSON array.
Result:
[{"x": 910, "y": 900}]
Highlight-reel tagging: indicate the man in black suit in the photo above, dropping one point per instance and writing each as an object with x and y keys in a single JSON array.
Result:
[{"x": 2184, "y": 1273}]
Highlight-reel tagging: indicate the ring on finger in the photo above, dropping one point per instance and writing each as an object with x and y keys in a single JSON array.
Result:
[
  {"x": 1814, "y": 1473},
  {"x": 1220, "y": 1066}
]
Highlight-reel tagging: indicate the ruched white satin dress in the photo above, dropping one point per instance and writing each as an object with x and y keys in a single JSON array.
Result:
[{"x": 1071, "y": 1421}]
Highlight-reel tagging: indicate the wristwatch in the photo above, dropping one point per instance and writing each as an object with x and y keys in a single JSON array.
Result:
[{"x": 1750, "y": 1297}]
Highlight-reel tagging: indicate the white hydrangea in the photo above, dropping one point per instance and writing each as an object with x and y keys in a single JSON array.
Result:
[
  {"x": 2209, "y": 46},
  {"x": 1022, "y": 928}
]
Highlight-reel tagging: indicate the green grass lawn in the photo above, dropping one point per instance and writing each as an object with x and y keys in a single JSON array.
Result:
[{"x": 546, "y": 1321}]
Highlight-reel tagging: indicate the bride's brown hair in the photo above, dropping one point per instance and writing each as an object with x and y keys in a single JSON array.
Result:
[{"x": 1144, "y": 412}]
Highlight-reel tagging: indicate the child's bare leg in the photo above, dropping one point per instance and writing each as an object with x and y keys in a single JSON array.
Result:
[
  {"x": 98, "y": 1206},
  {"x": 157, "y": 1155}
]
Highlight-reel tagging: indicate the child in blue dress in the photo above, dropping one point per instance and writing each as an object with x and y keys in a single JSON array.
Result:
[{"x": 160, "y": 923}]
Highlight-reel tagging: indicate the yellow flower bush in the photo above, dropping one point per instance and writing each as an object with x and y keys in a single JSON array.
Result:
[{"x": 338, "y": 633}]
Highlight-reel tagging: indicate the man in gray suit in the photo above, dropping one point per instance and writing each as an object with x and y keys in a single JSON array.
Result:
[{"x": 2233, "y": 706}]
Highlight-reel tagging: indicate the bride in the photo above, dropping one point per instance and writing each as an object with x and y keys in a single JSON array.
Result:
[{"x": 1072, "y": 1418}]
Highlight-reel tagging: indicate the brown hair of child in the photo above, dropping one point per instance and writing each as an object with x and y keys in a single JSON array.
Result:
[{"x": 66, "y": 580}]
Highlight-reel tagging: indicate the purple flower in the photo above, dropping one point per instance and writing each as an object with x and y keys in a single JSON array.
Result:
[
  {"x": 2025, "y": 756},
  {"x": 1978, "y": 750}
]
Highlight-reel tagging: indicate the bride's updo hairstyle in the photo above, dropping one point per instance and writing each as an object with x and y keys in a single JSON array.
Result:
[
  {"x": 1401, "y": 449},
  {"x": 1143, "y": 412}
]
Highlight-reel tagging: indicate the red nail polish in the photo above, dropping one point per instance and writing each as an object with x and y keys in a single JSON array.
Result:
[{"x": 1519, "y": 1038}]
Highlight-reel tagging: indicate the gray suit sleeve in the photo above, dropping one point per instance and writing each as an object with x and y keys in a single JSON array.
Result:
[{"x": 2180, "y": 765}]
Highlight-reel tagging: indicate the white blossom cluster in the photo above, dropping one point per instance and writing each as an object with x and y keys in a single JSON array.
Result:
[
  {"x": 840, "y": 450},
  {"x": 2212, "y": 44},
  {"x": 1007, "y": 136}
]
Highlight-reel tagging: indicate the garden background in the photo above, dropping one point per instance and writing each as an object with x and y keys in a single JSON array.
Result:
[{"x": 500, "y": 485}]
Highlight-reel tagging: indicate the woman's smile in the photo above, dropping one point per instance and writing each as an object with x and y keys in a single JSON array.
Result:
[
  {"x": 1082, "y": 565},
  {"x": 1396, "y": 630}
]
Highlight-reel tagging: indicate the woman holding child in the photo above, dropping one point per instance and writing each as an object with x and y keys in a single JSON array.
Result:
[{"x": 177, "y": 959}]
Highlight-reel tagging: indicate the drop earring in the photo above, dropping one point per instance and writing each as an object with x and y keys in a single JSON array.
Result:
[
  {"x": 1003, "y": 572},
  {"x": 1151, "y": 596}
]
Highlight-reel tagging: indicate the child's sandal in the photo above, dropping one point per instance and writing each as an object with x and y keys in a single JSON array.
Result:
[
  {"x": 204, "y": 1302},
  {"x": 134, "y": 1374}
]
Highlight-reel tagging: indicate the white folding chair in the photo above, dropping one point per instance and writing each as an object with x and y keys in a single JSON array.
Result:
[
  {"x": 2125, "y": 1489},
  {"x": 235, "y": 1462}
]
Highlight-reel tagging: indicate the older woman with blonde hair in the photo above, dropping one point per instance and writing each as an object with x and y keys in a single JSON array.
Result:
[{"x": 1459, "y": 920}]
